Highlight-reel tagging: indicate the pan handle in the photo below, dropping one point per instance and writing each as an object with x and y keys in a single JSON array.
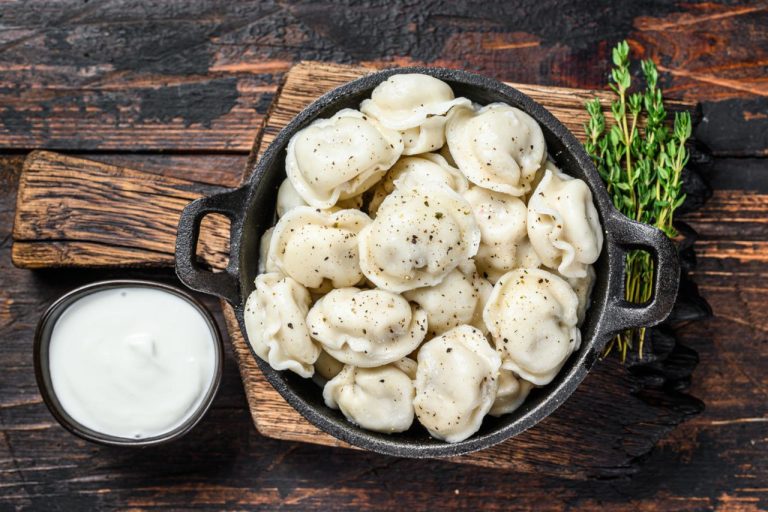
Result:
[
  {"x": 225, "y": 284},
  {"x": 623, "y": 236}
]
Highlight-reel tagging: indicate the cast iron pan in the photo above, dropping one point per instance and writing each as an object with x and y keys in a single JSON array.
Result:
[{"x": 251, "y": 207}]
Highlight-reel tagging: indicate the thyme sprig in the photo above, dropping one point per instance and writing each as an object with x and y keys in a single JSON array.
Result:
[{"x": 641, "y": 161}]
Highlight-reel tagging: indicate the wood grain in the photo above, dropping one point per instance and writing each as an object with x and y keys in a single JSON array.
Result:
[
  {"x": 111, "y": 216},
  {"x": 58, "y": 226},
  {"x": 70, "y": 65},
  {"x": 713, "y": 461},
  {"x": 78, "y": 213},
  {"x": 201, "y": 78}
]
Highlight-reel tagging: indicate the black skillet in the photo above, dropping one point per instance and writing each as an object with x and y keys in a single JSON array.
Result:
[{"x": 251, "y": 207}]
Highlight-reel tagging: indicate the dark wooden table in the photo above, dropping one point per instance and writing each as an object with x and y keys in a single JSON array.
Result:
[{"x": 181, "y": 89}]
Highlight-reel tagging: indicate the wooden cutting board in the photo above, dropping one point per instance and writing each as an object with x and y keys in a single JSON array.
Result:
[{"x": 78, "y": 213}]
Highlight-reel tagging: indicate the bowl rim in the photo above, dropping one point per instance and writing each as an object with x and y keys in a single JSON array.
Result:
[
  {"x": 580, "y": 361},
  {"x": 42, "y": 341}
]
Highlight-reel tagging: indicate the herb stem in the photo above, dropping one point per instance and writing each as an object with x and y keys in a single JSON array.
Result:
[{"x": 641, "y": 161}]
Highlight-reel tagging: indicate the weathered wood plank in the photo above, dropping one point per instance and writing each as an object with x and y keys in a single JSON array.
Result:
[
  {"x": 737, "y": 128},
  {"x": 196, "y": 114},
  {"x": 89, "y": 214},
  {"x": 715, "y": 462},
  {"x": 740, "y": 174},
  {"x": 736, "y": 218},
  {"x": 212, "y": 169},
  {"x": 277, "y": 419},
  {"x": 39, "y": 236},
  {"x": 61, "y": 197},
  {"x": 710, "y": 51},
  {"x": 201, "y": 78}
]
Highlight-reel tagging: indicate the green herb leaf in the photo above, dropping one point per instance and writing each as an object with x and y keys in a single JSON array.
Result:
[{"x": 640, "y": 156}]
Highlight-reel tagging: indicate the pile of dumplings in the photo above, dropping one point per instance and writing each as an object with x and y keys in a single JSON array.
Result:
[{"x": 428, "y": 262}]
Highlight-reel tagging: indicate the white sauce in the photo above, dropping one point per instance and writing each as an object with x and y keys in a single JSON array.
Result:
[{"x": 132, "y": 362}]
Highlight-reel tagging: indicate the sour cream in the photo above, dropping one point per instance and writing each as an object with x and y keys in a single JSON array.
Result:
[{"x": 132, "y": 362}]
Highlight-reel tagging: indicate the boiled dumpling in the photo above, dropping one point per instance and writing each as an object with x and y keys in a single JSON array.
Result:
[
  {"x": 504, "y": 243},
  {"x": 408, "y": 100},
  {"x": 458, "y": 299},
  {"x": 274, "y": 322},
  {"x": 511, "y": 394},
  {"x": 288, "y": 198},
  {"x": 266, "y": 238},
  {"x": 420, "y": 170},
  {"x": 563, "y": 225},
  {"x": 378, "y": 399},
  {"x": 531, "y": 315},
  {"x": 499, "y": 147},
  {"x": 456, "y": 383},
  {"x": 428, "y": 136},
  {"x": 415, "y": 105},
  {"x": 340, "y": 157},
  {"x": 312, "y": 246},
  {"x": 366, "y": 328},
  {"x": 583, "y": 287},
  {"x": 420, "y": 234}
]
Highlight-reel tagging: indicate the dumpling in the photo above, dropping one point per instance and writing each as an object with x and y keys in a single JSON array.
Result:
[
  {"x": 340, "y": 157},
  {"x": 511, "y": 394},
  {"x": 419, "y": 235},
  {"x": 274, "y": 322},
  {"x": 499, "y": 147},
  {"x": 563, "y": 225},
  {"x": 326, "y": 367},
  {"x": 456, "y": 383},
  {"x": 531, "y": 315},
  {"x": 288, "y": 198},
  {"x": 407, "y": 100},
  {"x": 420, "y": 170},
  {"x": 549, "y": 164},
  {"x": 458, "y": 299},
  {"x": 583, "y": 287},
  {"x": 378, "y": 399},
  {"x": 312, "y": 246},
  {"x": 266, "y": 238},
  {"x": 504, "y": 243},
  {"x": 428, "y": 136},
  {"x": 366, "y": 328}
]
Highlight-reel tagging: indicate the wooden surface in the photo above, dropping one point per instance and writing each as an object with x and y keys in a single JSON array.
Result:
[
  {"x": 78, "y": 213},
  {"x": 108, "y": 80}
]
